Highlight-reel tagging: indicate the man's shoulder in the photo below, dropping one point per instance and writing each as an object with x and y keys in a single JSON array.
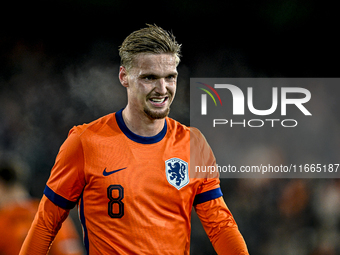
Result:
[
  {"x": 174, "y": 125},
  {"x": 103, "y": 123},
  {"x": 179, "y": 127}
]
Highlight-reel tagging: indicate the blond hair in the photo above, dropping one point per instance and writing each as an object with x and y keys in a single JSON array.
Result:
[{"x": 153, "y": 40}]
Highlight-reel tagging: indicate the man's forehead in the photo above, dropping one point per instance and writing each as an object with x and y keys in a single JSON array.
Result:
[{"x": 156, "y": 62}]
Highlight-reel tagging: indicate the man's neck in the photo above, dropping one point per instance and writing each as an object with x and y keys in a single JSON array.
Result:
[{"x": 141, "y": 124}]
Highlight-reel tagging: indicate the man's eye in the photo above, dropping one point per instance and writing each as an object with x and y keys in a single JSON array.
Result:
[
  {"x": 171, "y": 77},
  {"x": 149, "y": 78}
]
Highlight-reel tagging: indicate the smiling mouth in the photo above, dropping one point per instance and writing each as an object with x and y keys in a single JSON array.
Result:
[{"x": 158, "y": 102}]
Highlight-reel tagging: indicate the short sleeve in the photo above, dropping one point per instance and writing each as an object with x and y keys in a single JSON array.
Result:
[
  {"x": 67, "y": 180},
  {"x": 202, "y": 162}
]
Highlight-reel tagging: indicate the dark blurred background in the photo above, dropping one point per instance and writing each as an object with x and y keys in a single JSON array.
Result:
[{"x": 59, "y": 64}]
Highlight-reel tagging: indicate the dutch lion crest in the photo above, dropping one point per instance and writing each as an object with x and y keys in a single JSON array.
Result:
[{"x": 177, "y": 172}]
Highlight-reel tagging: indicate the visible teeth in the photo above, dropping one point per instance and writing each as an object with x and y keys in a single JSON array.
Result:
[{"x": 157, "y": 100}]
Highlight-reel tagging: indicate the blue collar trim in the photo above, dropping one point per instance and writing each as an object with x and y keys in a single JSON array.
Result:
[{"x": 137, "y": 138}]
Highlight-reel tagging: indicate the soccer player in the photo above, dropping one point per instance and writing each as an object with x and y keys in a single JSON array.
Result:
[
  {"x": 17, "y": 211},
  {"x": 129, "y": 171}
]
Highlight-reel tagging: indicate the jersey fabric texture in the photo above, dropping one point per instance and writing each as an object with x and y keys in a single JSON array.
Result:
[
  {"x": 15, "y": 221},
  {"x": 134, "y": 194}
]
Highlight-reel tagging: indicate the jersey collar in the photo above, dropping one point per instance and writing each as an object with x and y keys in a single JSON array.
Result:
[{"x": 137, "y": 138}]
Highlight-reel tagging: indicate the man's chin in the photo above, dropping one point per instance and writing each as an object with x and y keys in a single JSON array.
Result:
[{"x": 157, "y": 114}]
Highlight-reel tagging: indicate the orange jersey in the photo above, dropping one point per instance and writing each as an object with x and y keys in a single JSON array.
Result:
[
  {"x": 15, "y": 221},
  {"x": 134, "y": 194}
]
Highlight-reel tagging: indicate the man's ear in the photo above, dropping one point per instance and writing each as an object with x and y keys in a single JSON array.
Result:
[{"x": 123, "y": 76}]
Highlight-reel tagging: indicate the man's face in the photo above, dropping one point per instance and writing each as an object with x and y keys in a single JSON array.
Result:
[{"x": 151, "y": 84}]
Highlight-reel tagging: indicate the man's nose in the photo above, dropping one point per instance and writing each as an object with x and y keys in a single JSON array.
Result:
[{"x": 161, "y": 86}]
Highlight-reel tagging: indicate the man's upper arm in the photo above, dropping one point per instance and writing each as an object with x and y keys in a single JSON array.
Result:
[{"x": 67, "y": 180}]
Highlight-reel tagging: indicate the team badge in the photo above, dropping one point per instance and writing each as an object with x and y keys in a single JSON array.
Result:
[{"x": 177, "y": 172}]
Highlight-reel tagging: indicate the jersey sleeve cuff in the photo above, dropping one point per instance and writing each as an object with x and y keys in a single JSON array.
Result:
[
  {"x": 58, "y": 200},
  {"x": 207, "y": 196}
]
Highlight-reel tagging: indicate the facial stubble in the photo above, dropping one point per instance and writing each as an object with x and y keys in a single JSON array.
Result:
[{"x": 159, "y": 114}]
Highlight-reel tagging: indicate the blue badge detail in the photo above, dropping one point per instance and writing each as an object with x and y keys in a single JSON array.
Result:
[{"x": 177, "y": 172}]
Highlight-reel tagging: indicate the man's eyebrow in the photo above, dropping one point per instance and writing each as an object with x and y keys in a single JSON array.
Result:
[
  {"x": 148, "y": 74},
  {"x": 173, "y": 74},
  {"x": 156, "y": 75}
]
